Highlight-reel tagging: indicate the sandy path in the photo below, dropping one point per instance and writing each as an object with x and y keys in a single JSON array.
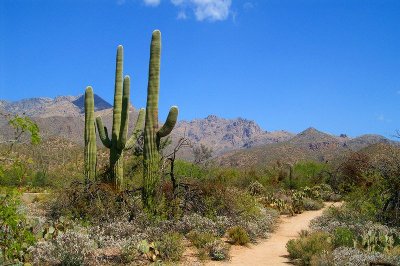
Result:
[{"x": 273, "y": 251}]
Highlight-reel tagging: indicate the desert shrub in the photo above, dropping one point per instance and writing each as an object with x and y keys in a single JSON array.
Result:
[
  {"x": 343, "y": 237},
  {"x": 94, "y": 202},
  {"x": 372, "y": 183},
  {"x": 15, "y": 235},
  {"x": 260, "y": 226},
  {"x": 256, "y": 188},
  {"x": 327, "y": 193},
  {"x": 305, "y": 174},
  {"x": 17, "y": 173},
  {"x": 395, "y": 251},
  {"x": 41, "y": 179},
  {"x": 200, "y": 240},
  {"x": 218, "y": 250},
  {"x": 129, "y": 252},
  {"x": 118, "y": 233},
  {"x": 335, "y": 217},
  {"x": 147, "y": 250},
  {"x": 351, "y": 256},
  {"x": 322, "y": 259},
  {"x": 170, "y": 247},
  {"x": 186, "y": 169},
  {"x": 308, "y": 245},
  {"x": 74, "y": 247},
  {"x": 238, "y": 236},
  {"x": 196, "y": 222},
  {"x": 312, "y": 205},
  {"x": 353, "y": 171},
  {"x": 241, "y": 203}
]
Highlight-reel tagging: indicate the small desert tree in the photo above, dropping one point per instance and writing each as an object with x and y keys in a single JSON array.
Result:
[
  {"x": 22, "y": 126},
  {"x": 201, "y": 154}
]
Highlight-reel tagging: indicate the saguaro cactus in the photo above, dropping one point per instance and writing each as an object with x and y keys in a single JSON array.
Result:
[
  {"x": 152, "y": 134},
  {"x": 90, "y": 136},
  {"x": 119, "y": 142}
]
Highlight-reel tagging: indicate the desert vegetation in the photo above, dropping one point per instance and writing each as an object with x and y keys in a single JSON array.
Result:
[{"x": 365, "y": 229}]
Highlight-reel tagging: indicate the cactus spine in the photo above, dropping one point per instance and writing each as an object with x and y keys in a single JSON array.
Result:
[
  {"x": 119, "y": 142},
  {"x": 152, "y": 134},
  {"x": 90, "y": 136}
]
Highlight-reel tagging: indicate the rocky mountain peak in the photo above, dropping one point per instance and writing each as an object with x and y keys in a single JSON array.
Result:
[
  {"x": 211, "y": 118},
  {"x": 227, "y": 134},
  {"x": 99, "y": 103},
  {"x": 67, "y": 106}
]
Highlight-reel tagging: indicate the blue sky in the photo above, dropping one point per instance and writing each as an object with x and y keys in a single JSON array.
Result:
[{"x": 287, "y": 64}]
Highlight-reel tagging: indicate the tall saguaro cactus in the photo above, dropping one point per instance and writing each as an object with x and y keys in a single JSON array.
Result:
[
  {"x": 152, "y": 134},
  {"x": 90, "y": 136},
  {"x": 119, "y": 142}
]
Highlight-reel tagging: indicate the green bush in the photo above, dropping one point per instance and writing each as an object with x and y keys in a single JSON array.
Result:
[
  {"x": 312, "y": 205},
  {"x": 238, "y": 236},
  {"x": 343, "y": 236},
  {"x": 305, "y": 174},
  {"x": 308, "y": 245},
  {"x": 218, "y": 250},
  {"x": 170, "y": 247},
  {"x": 41, "y": 179},
  {"x": 15, "y": 236},
  {"x": 186, "y": 169},
  {"x": 200, "y": 239},
  {"x": 323, "y": 259},
  {"x": 93, "y": 201}
]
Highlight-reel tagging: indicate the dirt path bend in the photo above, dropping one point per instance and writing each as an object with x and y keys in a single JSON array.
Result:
[{"x": 273, "y": 250}]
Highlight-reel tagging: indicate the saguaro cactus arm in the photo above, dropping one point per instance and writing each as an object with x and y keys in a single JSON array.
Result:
[
  {"x": 103, "y": 133},
  {"x": 124, "y": 114},
  {"x": 138, "y": 129},
  {"x": 169, "y": 123}
]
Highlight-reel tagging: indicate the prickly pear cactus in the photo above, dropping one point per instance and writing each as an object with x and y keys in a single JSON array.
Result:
[{"x": 377, "y": 241}]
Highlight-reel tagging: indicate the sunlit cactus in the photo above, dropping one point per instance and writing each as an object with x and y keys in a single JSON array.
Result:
[
  {"x": 119, "y": 141},
  {"x": 152, "y": 133},
  {"x": 90, "y": 136}
]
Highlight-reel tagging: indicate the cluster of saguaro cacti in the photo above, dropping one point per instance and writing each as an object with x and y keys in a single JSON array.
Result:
[
  {"x": 119, "y": 141},
  {"x": 90, "y": 136},
  {"x": 152, "y": 133}
]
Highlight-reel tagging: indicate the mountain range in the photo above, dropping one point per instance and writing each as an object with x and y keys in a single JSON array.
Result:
[{"x": 236, "y": 142}]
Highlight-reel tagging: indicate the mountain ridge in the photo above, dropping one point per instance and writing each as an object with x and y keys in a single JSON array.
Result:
[{"x": 63, "y": 117}]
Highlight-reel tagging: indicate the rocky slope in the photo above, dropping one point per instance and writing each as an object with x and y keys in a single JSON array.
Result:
[
  {"x": 227, "y": 134},
  {"x": 239, "y": 141},
  {"x": 310, "y": 144},
  {"x": 65, "y": 106},
  {"x": 62, "y": 117}
]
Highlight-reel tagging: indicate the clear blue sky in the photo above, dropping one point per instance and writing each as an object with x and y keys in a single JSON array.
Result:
[{"x": 331, "y": 64}]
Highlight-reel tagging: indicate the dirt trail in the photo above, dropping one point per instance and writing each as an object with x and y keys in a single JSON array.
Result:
[{"x": 273, "y": 251}]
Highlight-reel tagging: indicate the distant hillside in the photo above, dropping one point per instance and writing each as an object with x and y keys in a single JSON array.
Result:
[
  {"x": 66, "y": 106},
  {"x": 310, "y": 144},
  {"x": 239, "y": 141},
  {"x": 62, "y": 117},
  {"x": 227, "y": 134}
]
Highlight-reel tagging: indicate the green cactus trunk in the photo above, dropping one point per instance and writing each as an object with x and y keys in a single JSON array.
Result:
[
  {"x": 152, "y": 134},
  {"x": 90, "y": 136},
  {"x": 118, "y": 142}
]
